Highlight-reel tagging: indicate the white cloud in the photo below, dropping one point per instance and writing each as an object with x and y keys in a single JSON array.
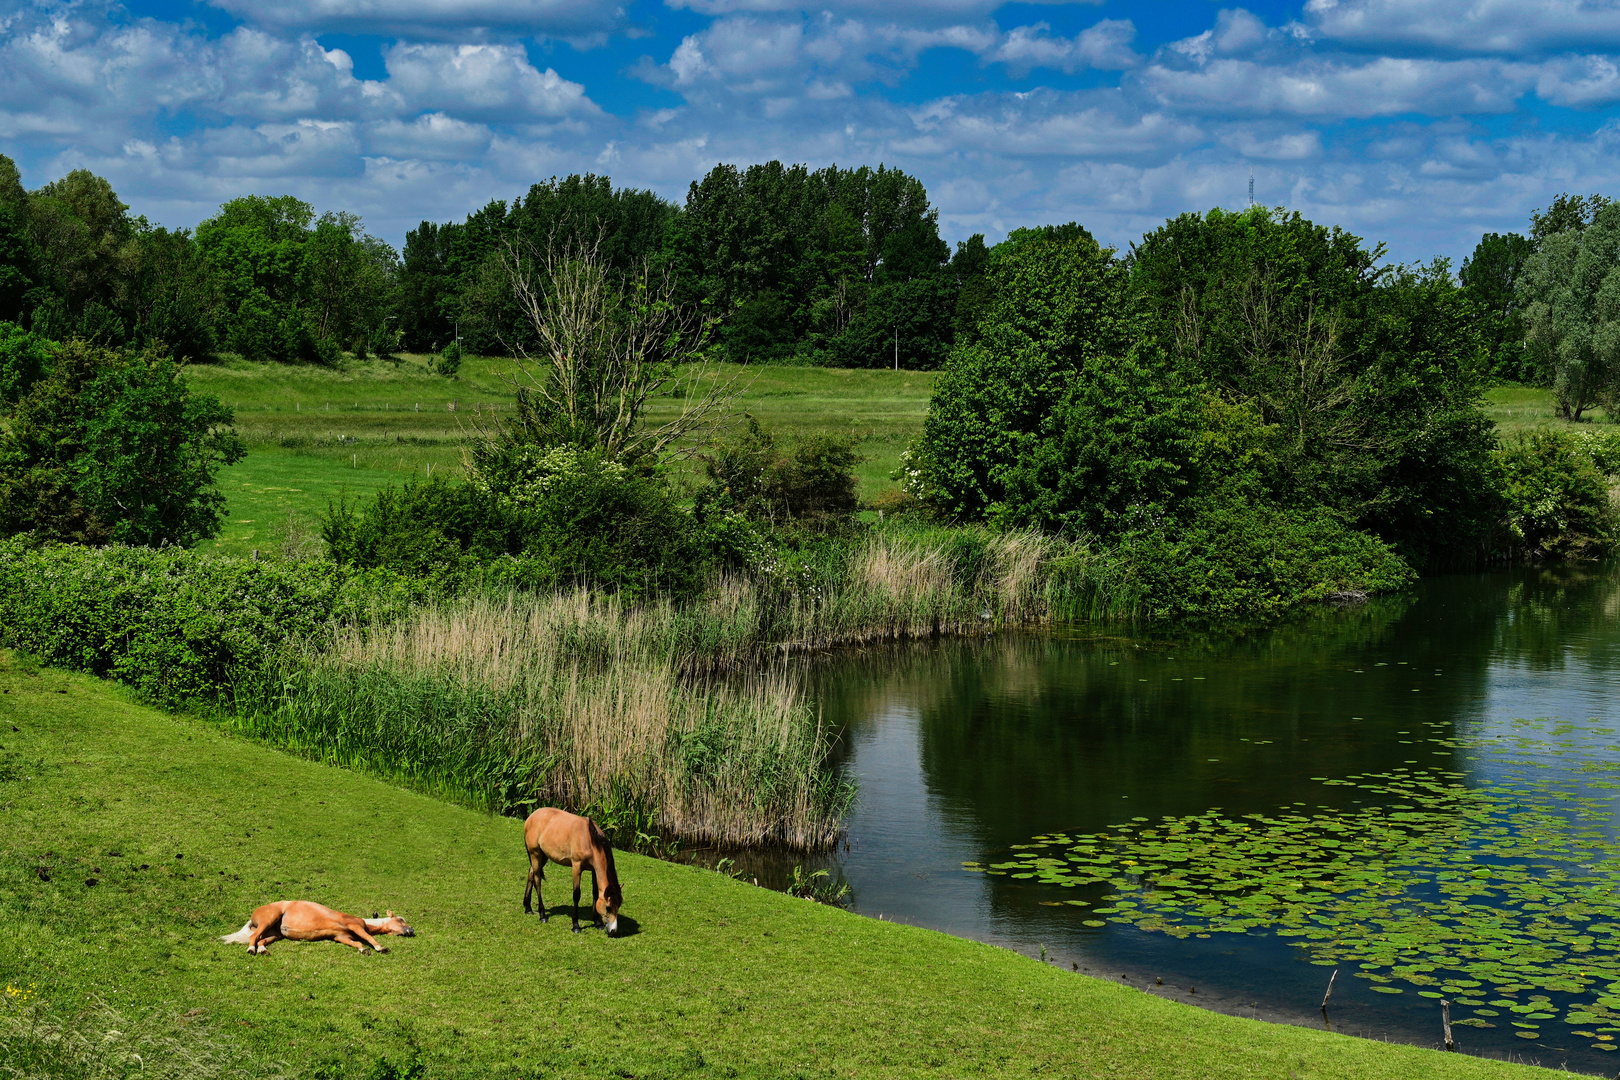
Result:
[
  {"x": 1505, "y": 27},
  {"x": 458, "y": 19},
  {"x": 1105, "y": 47},
  {"x": 912, "y": 12},
  {"x": 483, "y": 81},
  {"x": 1385, "y": 86},
  {"x": 430, "y": 137},
  {"x": 1580, "y": 81}
]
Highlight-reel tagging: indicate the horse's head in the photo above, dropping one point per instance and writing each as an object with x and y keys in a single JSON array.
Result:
[
  {"x": 607, "y": 906},
  {"x": 393, "y": 924}
]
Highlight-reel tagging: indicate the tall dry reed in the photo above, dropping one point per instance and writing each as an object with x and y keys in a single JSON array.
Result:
[{"x": 574, "y": 700}]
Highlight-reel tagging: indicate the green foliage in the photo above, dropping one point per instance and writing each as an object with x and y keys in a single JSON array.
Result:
[
  {"x": 532, "y": 518},
  {"x": 1557, "y": 497},
  {"x": 24, "y": 358},
  {"x": 1120, "y": 450},
  {"x": 448, "y": 362},
  {"x": 1057, "y": 306},
  {"x": 1234, "y": 559},
  {"x": 446, "y": 281},
  {"x": 179, "y": 627},
  {"x": 1570, "y": 295},
  {"x": 113, "y": 447},
  {"x": 288, "y": 285},
  {"x": 809, "y": 482},
  {"x": 1491, "y": 274}
]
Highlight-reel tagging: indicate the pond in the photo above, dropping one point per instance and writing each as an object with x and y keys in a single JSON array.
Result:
[{"x": 1417, "y": 793}]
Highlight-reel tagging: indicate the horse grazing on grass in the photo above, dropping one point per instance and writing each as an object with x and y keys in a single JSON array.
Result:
[
  {"x": 576, "y": 842},
  {"x": 305, "y": 920}
]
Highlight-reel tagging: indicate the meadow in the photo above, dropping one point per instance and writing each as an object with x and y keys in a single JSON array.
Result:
[
  {"x": 316, "y": 435},
  {"x": 131, "y": 840}
]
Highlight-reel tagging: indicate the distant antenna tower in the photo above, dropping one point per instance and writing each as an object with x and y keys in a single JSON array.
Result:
[{"x": 1251, "y": 185}]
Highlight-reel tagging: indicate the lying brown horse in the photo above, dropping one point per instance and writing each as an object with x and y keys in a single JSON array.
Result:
[
  {"x": 575, "y": 842},
  {"x": 304, "y": 920}
]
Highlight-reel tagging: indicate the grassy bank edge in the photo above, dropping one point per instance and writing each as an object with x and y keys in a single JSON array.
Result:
[{"x": 722, "y": 979}]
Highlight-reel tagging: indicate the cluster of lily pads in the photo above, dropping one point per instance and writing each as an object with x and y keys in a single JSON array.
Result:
[{"x": 1495, "y": 895}]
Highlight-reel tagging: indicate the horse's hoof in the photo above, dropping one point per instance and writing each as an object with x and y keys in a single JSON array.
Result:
[
  {"x": 382, "y": 950},
  {"x": 545, "y": 918},
  {"x": 578, "y": 930}
]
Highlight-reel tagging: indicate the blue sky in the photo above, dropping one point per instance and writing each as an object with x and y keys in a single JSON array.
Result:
[{"x": 1414, "y": 122}]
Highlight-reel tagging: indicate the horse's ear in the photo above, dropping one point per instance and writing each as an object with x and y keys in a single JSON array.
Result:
[
  {"x": 390, "y": 913},
  {"x": 374, "y": 915}
]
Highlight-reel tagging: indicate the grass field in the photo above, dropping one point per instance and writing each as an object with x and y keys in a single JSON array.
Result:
[
  {"x": 1515, "y": 408},
  {"x": 317, "y": 434},
  {"x": 183, "y": 831}
]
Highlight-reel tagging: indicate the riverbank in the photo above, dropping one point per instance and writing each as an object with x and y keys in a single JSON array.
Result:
[{"x": 718, "y": 978}]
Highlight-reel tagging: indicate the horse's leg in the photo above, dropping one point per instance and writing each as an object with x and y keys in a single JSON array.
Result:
[
  {"x": 358, "y": 928},
  {"x": 266, "y": 939},
  {"x": 344, "y": 937},
  {"x": 579, "y": 868},
  {"x": 537, "y": 877}
]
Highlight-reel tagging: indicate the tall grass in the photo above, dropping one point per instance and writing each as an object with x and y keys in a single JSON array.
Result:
[
  {"x": 574, "y": 700},
  {"x": 679, "y": 719}
]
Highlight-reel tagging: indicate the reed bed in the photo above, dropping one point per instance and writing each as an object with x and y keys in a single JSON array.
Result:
[
  {"x": 573, "y": 700},
  {"x": 674, "y": 720}
]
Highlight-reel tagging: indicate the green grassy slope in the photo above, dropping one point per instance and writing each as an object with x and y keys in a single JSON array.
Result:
[
  {"x": 720, "y": 979},
  {"x": 315, "y": 434}
]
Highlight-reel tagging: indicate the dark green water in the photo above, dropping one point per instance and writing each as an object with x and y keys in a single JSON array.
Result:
[{"x": 1366, "y": 773}]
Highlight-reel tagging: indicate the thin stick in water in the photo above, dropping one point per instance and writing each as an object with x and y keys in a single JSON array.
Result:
[
  {"x": 1445, "y": 1023},
  {"x": 1329, "y": 993}
]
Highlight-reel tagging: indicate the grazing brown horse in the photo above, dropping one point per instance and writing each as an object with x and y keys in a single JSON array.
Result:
[
  {"x": 575, "y": 842},
  {"x": 304, "y": 920}
]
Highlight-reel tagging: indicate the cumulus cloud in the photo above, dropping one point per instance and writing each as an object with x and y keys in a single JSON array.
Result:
[
  {"x": 459, "y": 19},
  {"x": 911, "y": 12},
  {"x": 482, "y": 81},
  {"x": 1517, "y": 27},
  {"x": 1189, "y": 75}
]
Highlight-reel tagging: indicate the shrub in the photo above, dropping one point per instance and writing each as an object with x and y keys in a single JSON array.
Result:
[
  {"x": 811, "y": 481},
  {"x": 534, "y": 519},
  {"x": 175, "y": 625},
  {"x": 1237, "y": 559},
  {"x": 113, "y": 447},
  {"x": 1558, "y": 502},
  {"x": 448, "y": 362}
]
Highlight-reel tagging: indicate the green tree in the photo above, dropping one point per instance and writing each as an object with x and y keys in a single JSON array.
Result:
[
  {"x": 1570, "y": 295},
  {"x": 1058, "y": 306},
  {"x": 17, "y": 270},
  {"x": 113, "y": 447},
  {"x": 1491, "y": 274},
  {"x": 24, "y": 358}
]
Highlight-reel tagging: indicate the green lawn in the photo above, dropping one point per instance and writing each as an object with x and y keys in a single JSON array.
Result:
[
  {"x": 314, "y": 434},
  {"x": 185, "y": 831},
  {"x": 1515, "y": 408}
]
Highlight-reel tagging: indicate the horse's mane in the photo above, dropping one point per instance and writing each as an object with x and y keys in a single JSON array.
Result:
[{"x": 599, "y": 838}]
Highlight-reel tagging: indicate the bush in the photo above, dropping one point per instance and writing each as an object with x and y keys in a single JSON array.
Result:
[
  {"x": 448, "y": 362},
  {"x": 1557, "y": 496},
  {"x": 1236, "y": 559},
  {"x": 175, "y": 625},
  {"x": 811, "y": 482},
  {"x": 113, "y": 447},
  {"x": 534, "y": 519}
]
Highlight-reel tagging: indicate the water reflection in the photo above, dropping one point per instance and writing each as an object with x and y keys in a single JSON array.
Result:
[{"x": 963, "y": 749}]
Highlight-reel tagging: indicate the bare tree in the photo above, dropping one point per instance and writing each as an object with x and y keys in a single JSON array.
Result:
[{"x": 601, "y": 349}]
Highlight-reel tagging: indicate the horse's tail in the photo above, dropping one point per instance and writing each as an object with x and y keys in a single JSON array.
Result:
[{"x": 241, "y": 936}]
